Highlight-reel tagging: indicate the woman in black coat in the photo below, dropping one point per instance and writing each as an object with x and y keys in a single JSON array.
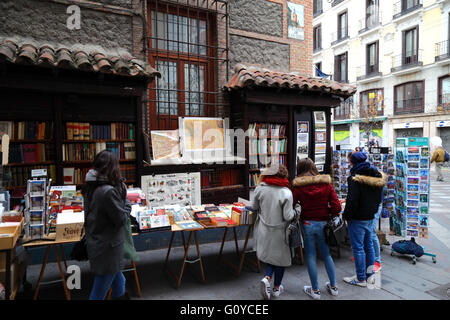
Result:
[{"x": 106, "y": 212}]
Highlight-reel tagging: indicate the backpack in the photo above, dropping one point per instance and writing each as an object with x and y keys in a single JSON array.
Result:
[
  {"x": 408, "y": 247},
  {"x": 446, "y": 156}
]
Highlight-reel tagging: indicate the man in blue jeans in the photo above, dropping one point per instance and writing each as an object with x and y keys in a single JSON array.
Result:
[{"x": 365, "y": 185}]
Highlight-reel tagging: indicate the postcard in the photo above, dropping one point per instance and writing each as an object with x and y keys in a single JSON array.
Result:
[
  {"x": 411, "y": 210},
  {"x": 412, "y": 203},
  {"x": 412, "y": 233},
  {"x": 412, "y": 196},
  {"x": 424, "y": 198},
  {"x": 423, "y": 174},
  {"x": 413, "y": 187},
  {"x": 37, "y": 203},
  {"x": 423, "y": 221},
  {"x": 321, "y": 147},
  {"x": 413, "y": 150},
  {"x": 413, "y": 157},
  {"x": 424, "y": 152},
  {"x": 321, "y": 137},
  {"x": 413, "y": 180},
  {"x": 423, "y": 233},
  {"x": 424, "y": 163},
  {"x": 36, "y": 187},
  {"x": 400, "y": 156},
  {"x": 412, "y": 217},
  {"x": 423, "y": 187},
  {"x": 423, "y": 210},
  {"x": 413, "y": 173},
  {"x": 413, "y": 165}
]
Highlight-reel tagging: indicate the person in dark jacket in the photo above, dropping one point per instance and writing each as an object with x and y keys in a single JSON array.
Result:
[
  {"x": 318, "y": 200},
  {"x": 365, "y": 185},
  {"x": 106, "y": 212}
]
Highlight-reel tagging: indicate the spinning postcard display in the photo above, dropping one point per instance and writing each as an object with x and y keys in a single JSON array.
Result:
[
  {"x": 341, "y": 171},
  {"x": 411, "y": 218}
]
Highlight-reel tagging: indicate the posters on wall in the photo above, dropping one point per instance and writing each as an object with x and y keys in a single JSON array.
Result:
[
  {"x": 320, "y": 139},
  {"x": 412, "y": 187},
  {"x": 295, "y": 20},
  {"x": 177, "y": 188},
  {"x": 165, "y": 144},
  {"x": 302, "y": 139}
]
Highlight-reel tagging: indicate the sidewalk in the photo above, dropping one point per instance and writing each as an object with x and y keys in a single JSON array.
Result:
[{"x": 400, "y": 279}]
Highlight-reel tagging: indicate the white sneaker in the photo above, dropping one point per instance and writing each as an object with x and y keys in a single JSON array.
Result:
[
  {"x": 265, "y": 288},
  {"x": 310, "y": 292},
  {"x": 354, "y": 281},
  {"x": 371, "y": 279},
  {"x": 333, "y": 291},
  {"x": 276, "y": 293}
]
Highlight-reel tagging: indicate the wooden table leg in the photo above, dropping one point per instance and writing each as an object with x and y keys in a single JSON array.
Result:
[
  {"x": 61, "y": 273},
  {"x": 180, "y": 276},
  {"x": 63, "y": 256},
  {"x": 168, "y": 251},
  {"x": 109, "y": 294},
  {"x": 223, "y": 242},
  {"x": 236, "y": 242},
  {"x": 44, "y": 263},
  {"x": 241, "y": 263},
  {"x": 199, "y": 256},
  {"x": 183, "y": 240},
  {"x": 136, "y": 278}
]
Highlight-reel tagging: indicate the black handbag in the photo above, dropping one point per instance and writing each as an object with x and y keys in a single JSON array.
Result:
[
  {"x": 79, "y": 250},
  {"x": 295, "y": 230},
  {"x": 335, "y": 231}
]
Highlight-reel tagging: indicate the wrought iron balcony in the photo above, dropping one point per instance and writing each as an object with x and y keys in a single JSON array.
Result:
[
  {"x": 408, "y": 106},
  {"x": 337, "y": 37},
  {"x": 370, "y": 22},
  {"x": 336, "y": 2},
  {"x": 365, "y": 72},
  {"x": 442, "y": 51},
  {"x": 406, "y": 61},
  {"x": 406, "y": 6}
]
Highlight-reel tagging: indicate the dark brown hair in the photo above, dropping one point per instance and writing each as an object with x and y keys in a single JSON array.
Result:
[
  {"x": 282, "y": 172},
  {"x": 306, "y": 167}
]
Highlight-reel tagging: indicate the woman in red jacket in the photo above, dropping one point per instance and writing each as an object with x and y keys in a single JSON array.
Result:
[{"x": 318, "y": 200}]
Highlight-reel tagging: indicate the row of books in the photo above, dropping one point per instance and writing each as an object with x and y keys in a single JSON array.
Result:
[
  {"x": 77, "y": 175},
  {"x": 267, "y": 129},
  {"x": 87, "y": 151},
  {"x": 218, "y": 178},
  {"x": 265, "y": 146},
  {"x": 253, "y": 179},
  {"x": 87, "y": 131},
  {"x": 261, "y": 161},
  {"x": 18, "y": 176},
  {"x": 128, "y": 171},
  {"x": 31, "y": 152},
  {"x": 30, "y": 130}
]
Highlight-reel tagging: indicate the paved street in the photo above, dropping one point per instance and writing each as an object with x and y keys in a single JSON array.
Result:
[{"x": 400, "y": 279}]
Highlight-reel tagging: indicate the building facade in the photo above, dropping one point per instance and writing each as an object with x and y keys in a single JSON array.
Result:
[{"x": 397, "y": 54}]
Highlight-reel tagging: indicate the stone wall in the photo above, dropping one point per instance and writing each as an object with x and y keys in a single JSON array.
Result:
[
  {"x": 259, "y": 16},
  {"x": 253, "y": 51},
  {"x": 46, "y": 22}
]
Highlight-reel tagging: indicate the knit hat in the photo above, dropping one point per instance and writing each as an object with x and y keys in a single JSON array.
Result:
[{"x": 358, "y": 157}]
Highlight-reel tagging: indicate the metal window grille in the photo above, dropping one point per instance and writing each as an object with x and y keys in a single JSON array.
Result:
[{"x": 184, "y": 46}]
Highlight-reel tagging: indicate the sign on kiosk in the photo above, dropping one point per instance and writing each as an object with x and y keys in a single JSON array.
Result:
[{"x": 69, "y": 225}]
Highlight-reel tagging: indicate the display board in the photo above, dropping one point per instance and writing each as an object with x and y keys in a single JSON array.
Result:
[
  {"x": 177, "y": 188},
  {"x": 385, "y": 162},
  {"x": 341, "y": 171},
  {"x": 320, "y": 140},
  {"x": 412, "y": 187}
]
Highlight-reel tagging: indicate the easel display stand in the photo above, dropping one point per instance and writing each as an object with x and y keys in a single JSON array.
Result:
[{"x": 412, "y": 189}]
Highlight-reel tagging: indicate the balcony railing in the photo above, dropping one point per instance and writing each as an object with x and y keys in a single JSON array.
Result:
[
  {"x": 369, "y": 22},
  {"x": 317, "y": 49},
  {"x": 406, "y": 61},
  {"x": 408, "y": 106},
  {"x": 340, "y": 36},
  {"x": 442, "y": 50},
  {"x": 404, "y": 7},
  {"x": 365, "y": 72},
  {"x": 336, "y": 2}
]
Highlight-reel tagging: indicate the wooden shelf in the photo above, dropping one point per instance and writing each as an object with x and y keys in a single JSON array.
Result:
[
  {"x": 267, "y": 154},
  {"x": 95, "y": 141},
  {"x": 30, "y": 140},
  {"x": 90, "y": 161},
  {"x": 29, "y": 164},
  {"x": 224, "y": 188}
]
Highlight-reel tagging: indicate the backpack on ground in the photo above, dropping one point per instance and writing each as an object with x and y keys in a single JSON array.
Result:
[{"x": 408, "y": 247}]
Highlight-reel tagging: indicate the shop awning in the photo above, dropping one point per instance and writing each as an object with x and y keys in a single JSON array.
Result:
[
  {"x": 376, "y": 119},
  {"x": 48, "y": 56},
  {"x": 255, "y": 76}
]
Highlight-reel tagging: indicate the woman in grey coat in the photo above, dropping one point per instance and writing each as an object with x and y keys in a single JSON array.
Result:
[
  {"x": 106, "y": 212},
  {"x": 273, "y": 200}
]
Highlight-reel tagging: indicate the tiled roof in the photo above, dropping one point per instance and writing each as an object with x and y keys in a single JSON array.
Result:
[
  {"x": 48, "y": 56},
  {"x": 255, "y": 76}
]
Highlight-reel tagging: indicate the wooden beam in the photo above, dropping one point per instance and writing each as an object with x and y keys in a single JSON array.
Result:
[{"x": 284, "y": 98}]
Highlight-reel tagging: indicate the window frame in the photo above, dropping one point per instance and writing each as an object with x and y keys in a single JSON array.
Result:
[
  {"x": 337, "y": 67},
  {"x": 317, "y": 37},
  {"x": 339, "y": 26},
  {"x": 361, "y": 110},
  {"x": 159, "y": 121},
  {"x": 316, "y": 10},
  {"x": 344, "y": 115},
  {"x": 396, "y": 112},
  {"x": 376, "y": 58},
  {"x": 439, "y": 91},
  {"x": 415, "y": 42}
]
